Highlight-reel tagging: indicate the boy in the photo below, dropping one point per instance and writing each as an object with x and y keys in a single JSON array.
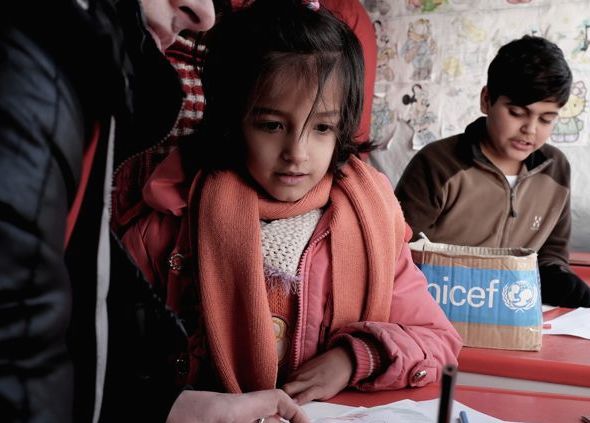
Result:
[{"x": 498, "y": 184}]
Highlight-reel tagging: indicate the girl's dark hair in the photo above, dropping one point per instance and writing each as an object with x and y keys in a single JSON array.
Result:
[
  {"x": 528, "y": 70},
  {"x": 249, "y": 47}
]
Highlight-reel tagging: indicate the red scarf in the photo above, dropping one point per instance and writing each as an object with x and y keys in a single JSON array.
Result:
[{"x": 367, "y": 232}]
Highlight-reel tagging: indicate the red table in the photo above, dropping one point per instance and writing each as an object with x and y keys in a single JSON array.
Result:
[
  {"x": 580, "y": 258},
  {"x": 503, "y": 404},
  {"x": 562, "y": 360}
]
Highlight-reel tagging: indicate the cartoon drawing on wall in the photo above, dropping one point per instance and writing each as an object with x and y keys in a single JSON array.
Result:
[
  {"x": 468, "y": 30},
  {"x": 569, "y": 125},
  {"x": 467, "y": 58},
  {"x": 382, "y": 117},
  {"x": 385, "y": 52},
  {"x": 460, "y": 4},
  {"x": 581, "y": 52},
  {"x": 419, "y": 49},
  {"x": 424, "y": 5},
  {"x": 420, "y": 117},
  {"x": 452, "y": 67},
  {"x": 382, "y": 6},
  {"x": 586, "y": 41}
]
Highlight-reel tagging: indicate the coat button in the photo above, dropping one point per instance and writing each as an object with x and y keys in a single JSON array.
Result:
[
  {"x": 175, "y": 261},
  {"x": 182, "y": 366},
  {"x": 419, "y": 375}
]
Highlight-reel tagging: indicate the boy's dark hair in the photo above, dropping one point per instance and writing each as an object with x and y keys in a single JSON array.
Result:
[
  {"x": 528, "y": 70},
  {"x": 250, "y": 46}
]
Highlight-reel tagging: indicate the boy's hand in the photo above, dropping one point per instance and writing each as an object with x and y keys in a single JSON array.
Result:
[{"x": 321, "y": 377}]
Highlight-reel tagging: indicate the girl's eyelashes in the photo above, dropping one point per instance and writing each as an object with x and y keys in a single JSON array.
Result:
[
  {"x": 269, "y": 125},
  {"x": 272, "y": 126},
  {"x": 324, "y": 128}
]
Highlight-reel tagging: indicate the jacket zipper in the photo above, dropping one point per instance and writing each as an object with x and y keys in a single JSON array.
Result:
[
  {"x": 295, "y": 356},
  {"x": 512, "y": 195},
  {"x": 153, "y": 146},
  {"x": 512, "y": 213}
]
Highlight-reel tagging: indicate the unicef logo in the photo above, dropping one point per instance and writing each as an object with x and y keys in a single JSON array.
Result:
[{"x": 520, "y": 295}]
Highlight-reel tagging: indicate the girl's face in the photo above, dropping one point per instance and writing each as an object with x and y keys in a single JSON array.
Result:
[{"x": 286, "y": 155}]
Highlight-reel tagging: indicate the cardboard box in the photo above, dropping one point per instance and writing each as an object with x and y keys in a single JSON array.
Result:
[{"x": 491, "y": 295}]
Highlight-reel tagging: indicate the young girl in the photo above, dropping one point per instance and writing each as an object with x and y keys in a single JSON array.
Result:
[{"x": 285, "y": 255}]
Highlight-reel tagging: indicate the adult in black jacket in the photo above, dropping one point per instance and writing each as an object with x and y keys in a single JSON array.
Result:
[{"x": 83, "y": 86}]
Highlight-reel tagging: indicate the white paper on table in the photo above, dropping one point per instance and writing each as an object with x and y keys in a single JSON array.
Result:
[
  {"x": 317, "y": 409},
  {"x": 407, "y": 411},
  {"x": 575, "y": 323},
  {"x": 546, "y": 307}
]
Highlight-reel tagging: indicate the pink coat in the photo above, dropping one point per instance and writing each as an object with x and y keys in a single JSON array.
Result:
[{"x": 412, "y": 347}]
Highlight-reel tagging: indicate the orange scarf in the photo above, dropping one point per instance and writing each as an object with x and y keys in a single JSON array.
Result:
[{"x": 367, "y": 231}]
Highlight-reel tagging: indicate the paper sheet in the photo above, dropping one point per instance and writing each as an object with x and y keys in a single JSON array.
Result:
[
  {"x": 574, "y": 323},
  {"x": 406, "y": 410}
]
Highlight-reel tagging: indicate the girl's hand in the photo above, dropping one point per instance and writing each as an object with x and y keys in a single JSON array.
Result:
[
  {"x": 321, "y": 377},
  {"x": 208, "y": 407}
]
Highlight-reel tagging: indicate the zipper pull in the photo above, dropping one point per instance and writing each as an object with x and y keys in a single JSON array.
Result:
[{"x": 512, "y": 210}]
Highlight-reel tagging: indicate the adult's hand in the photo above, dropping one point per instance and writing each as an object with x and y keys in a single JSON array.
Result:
[
  {"x": 213, "y": 407},
  {"x": 321, "y": 377}
]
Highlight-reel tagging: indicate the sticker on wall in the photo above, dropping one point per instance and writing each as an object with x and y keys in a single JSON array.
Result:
[
  {"x": 420, "y": 116},
  {"x": 570, "y": 123},
  {"x": 581, "y": 51},
  {"x": 381, "y": 6},
  {"x": 386, "y": 51},
  {"x": 424, "y": 5},
  {"x": 382, "y": 118},
  {"x": 419, "y": 48}
]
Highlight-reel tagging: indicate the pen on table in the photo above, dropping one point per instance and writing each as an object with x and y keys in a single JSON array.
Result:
[
  {"x": 463, "y": 417},
  {"x": 449, "y": 373}
]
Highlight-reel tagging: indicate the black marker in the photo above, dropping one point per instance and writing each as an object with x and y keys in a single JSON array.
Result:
[{"x": 449, "y": 373}]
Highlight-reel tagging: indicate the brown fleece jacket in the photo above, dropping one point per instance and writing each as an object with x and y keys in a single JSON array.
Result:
[{"x": 454, "y": 194}]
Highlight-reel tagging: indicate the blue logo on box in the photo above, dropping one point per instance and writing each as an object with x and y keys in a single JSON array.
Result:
[{"x": 490, "y": 296}]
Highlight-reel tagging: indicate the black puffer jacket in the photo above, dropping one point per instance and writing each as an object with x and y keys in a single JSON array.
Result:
[{"x": 65, "y": 66}]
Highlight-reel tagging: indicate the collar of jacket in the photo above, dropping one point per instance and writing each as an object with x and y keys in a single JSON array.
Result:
[{"x": 154, "y": 85}]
